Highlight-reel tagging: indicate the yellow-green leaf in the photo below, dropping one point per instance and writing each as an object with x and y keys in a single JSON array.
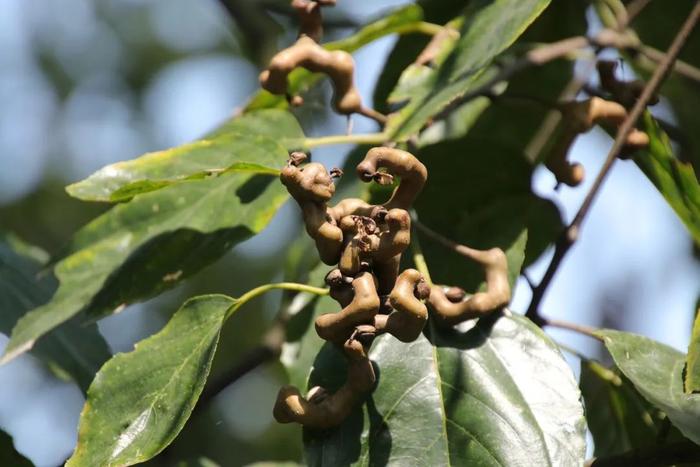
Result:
[
  {"x": 246, "y": 143},
  {"x": 140, "y": 400}
]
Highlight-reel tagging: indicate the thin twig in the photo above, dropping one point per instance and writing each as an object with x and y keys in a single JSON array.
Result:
[
  {"x": 682, "y": 68},
  {"x": 571, "y": 233}
]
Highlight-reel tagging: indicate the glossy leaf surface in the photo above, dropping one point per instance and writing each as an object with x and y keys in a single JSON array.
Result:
[
  {"x": 242, "y": 144},
  {"x": 656, "y": 370},
  {"x": 150, "y": 244},
  {"x": 140, "y": 400},
  {"x": 499, "y": 393}
]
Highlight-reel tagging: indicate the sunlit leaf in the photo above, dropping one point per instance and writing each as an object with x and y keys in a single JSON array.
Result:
[
  {"x": 489, "y": 28},
  {"x": 656, "y": 370},
  {"x": 247, "y": 143},
  {"x": 140, "y": 400},
  {"x": 71, "y": 350},
  {"x": 674, "y": 179},
  {"x": 497, "y": 394},
  {"x": 146, "y": 246}
]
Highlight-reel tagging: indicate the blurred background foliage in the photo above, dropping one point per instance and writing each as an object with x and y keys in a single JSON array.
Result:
[{"x": 84, "y": 83}]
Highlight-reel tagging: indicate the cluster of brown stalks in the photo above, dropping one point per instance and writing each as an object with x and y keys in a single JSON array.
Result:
[
  {"x": 364, "y": 241},
  {"x": 581, "y": 116},
  {"x": 307, "y": 53}
]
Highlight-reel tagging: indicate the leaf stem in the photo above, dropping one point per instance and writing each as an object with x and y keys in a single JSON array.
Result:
[
  {"x": 571, "y": 233},
  {"x": 366, "y": 138},
  {"x": 579, "y": 328},
  {"x": 418, "y": 257},
  {"x": 253, "y": 293},
  {"x": 421, "y": 27}
]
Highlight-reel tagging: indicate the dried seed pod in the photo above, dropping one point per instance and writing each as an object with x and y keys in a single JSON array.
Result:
[
  {"x": 399, "y": 163},
  {"x": 337, "y": 327},
  {"x": 359, "y": 241},
  {"x": 338, "y": 65},
  {"x": 394, "y": 237},
  {"x": 496, "y": 296},
  {"x": 580, "y": 117},
  {"x": 312, "y": 187},
  {"x": 321, "y": 410},
  {"x": 624, "y": 92},
  {"x": 340, "y": 287},
  {"x": 407, "y": 320}
]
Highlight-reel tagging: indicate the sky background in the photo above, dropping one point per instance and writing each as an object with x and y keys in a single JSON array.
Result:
[{"x": 633, "y": 259}]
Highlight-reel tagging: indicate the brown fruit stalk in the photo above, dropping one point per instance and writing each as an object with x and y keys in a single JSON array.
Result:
[
  {"x": 410, "y": 314},
  {"x": 580, "y": 117},
  {"x": 320, "y": 410},
  {"x": 452, "y": 308}
]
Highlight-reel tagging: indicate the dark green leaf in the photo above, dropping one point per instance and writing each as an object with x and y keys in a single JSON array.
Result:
[
  {"x": 140, "y": 400},
  {"x": 675, "y": 180},
  {"x": 481, "y": 202},
  {"x": 692, "y": 367},
  {"x": 8, "y": 454},
  {"x": 247, "y": 143},
  {"x": 489, "y": 28},
  {"x": 301, "y": 80},
  {"x": 497, "y": 394},
  {"x": 150, "y": 244},
  {"x": 656, "y": 370},
  {"x": 618, "y": 416},
  {"x": 71, "y": 350}
]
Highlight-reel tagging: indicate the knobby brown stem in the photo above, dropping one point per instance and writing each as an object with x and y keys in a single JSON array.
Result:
[{"x": 571, "y": 233}]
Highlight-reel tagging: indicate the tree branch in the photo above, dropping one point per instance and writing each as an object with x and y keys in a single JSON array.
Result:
[{"x": 571, "y": 233}]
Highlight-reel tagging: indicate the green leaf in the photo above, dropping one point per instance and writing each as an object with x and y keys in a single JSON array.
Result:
[
  {"x": 141, "y": 248},
  {"x": 71, "y": 351},
  {"x": 140, "y": 400},
  {"x": 692, "y": 367},
  {"x": 9, "y": 455},
  {"x": 247, "y": 143},
  {"x": 656, "y": 370},
  {"x": 499, "y": 393},
  {"x": 619, "y": 418},
  {"x": 656, "y": 26},
  {"x": 674, "y": 179},
  {"x": 495, "y": 207},
  {"x": 490, "y": 26},
  {"x": 301, "y": 80}
]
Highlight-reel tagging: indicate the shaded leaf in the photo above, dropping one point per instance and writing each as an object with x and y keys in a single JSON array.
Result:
[
  {"x": 140, "y": 400},
  {"x": 242, "y": 144},
  {"x": 499, "y": 393},
  {"x": 489, "y": 28},
  {"x": 9, "y": 455},
  {"x": 481, "y": 202},
  {"x": 301, "y": 80},
  {"x": 656, "y": 370},
  {"x": 72, "y": 350},
  {"x": 619, "y": 418},
  {"x": 692, "y": 367},
  {"x": 150, "y": 244},
  {"x": 674, "y": 179}
]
